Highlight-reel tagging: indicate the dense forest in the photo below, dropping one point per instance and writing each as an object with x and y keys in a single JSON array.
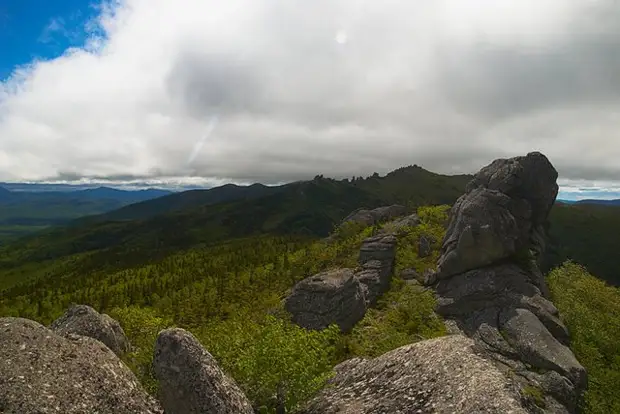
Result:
[{"x": 229, "y": 293}]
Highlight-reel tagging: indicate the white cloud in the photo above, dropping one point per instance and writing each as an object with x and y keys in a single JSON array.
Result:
[{"x": 341, "y": 88}]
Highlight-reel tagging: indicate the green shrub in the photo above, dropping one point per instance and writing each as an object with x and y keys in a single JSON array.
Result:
[
  {"x": 591, "y": 310},
  {"x": 141, "y": 325},
  {"x": 405, "y": 314},
  {"x": 271, "y": 354}
]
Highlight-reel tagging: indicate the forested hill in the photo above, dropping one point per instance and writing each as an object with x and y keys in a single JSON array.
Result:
[
  {"x": 145, "y": 231},
  {"x": 141, "y": 232},
  {"x": 23, "y": 211}
]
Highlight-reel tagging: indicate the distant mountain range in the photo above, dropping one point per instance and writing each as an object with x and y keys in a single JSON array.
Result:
[
  {"x": 27, "y": 209},
  {"x": 148, "y": 229},
  {"x": 592, "y": 201}
]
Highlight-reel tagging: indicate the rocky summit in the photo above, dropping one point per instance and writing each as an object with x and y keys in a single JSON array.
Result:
[
  {"x": 489, "y": 286},
  {"x": 508, "y": 349}
]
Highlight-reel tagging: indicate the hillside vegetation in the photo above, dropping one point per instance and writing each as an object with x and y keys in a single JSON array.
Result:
[
  {"x": 588, "y": 235},
  {"x": 310, "y": 208},
  {"x": 591, "y": 310},
  {"x": 229, "y": 296}
]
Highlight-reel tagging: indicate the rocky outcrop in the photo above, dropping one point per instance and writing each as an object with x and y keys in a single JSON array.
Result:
[
  {"x": 439, "y": 376},
  {"x": 375, "y": 216},
  {"x": 43, "y": 372},
  {"x": 191, "y": 380},
  {"x": 84, "y": 320},
  {"x": 342, "y": 296},
  {"x": 489, "y": 286},
  {"x": 400, "y": 225},
  {"x": 334, "y": 296}
]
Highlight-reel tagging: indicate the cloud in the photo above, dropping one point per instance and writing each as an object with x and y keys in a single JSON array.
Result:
[{"x": 440, "y": 84}]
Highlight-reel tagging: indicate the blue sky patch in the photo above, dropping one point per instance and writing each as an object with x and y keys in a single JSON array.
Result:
[{"x": 40, "y": 29}]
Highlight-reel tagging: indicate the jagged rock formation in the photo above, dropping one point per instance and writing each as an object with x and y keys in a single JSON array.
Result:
[
  {"x": 375, "y": 216},
  {"x": 191, "y": 380},
  {"x": 43, "y": 372},
  {"x": 443, "y": 375},
  {"x": 84, "y": 320},
  {"x": 342, "y": 296},
  {"x": 489, "y": 286}
]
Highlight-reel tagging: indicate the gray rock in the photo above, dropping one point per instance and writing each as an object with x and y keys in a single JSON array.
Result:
[
  {"x": 489, "y": 286},
  {"x": 335, "y": 296},
  {"x": 502, "y": 213},
  {"x": 425, "y": 246},
  {"x": 442, "y": 375},
  {"x": 381, "y": 247},
  {"x": 482, "y": 231},
  {"x": 191, "y": 381},
  {"x": 375, "y": 278},
  {"x": 41, "y": 371},
  {"x": 536, "y": 346},
  {"x": 400, "y": 225},
  {"x": 375, "y": 216},
  {"x": 84, "y": 320}
]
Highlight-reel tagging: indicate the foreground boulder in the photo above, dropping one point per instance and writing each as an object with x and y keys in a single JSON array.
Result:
[
  {"x": 191, "y": 380},
  {"x": 443, "y": 375},
  {"x": 43, "y": 372},
  {"x": 489, "y": 286},
  {"x": 342, "y": 296},
  {"x": 84, "y": 320}
]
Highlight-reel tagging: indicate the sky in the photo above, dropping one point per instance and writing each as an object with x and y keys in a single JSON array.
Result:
[{"x": 207, "y": 92}]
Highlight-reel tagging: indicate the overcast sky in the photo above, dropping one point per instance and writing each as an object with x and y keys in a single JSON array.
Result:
[{"x": 280, "y": 90}]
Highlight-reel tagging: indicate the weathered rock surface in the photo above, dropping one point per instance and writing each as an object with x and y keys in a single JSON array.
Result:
[
  {"x": 377, "y": 215},
  {"x": 84, "y": 320},
  {"x": 489, "y": 286},
  {"x": 43, "y": 372},
  {"x": 503, "y": 212},
  {"x": 335, "y": 296},
  {"x": 191, "y": 381},
  {"x": 443, "y": 375},
  {"x": 342, "y": 296},
  {"x": 399, "y": 225},
  {"x": 381, "y": 247},
  {"x": 376, "y": 259}
]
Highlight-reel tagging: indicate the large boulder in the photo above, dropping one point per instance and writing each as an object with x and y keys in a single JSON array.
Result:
[
  {"x": 191, "y": 380},
  {"x": 502, "y": 214},
  {"x": 342, "y": 296},
  {"x": 400, "y": 225},
  {"x": 381, "y": 247},
  {"x": 375, "y": 216},
  {"x": 84, "y": 320},
  {"x": 335, "y": 296},
  {"x": 443, "y": 375},
  {"x": 489, "y": 286},
  {"x": 43, "y": 372}
]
